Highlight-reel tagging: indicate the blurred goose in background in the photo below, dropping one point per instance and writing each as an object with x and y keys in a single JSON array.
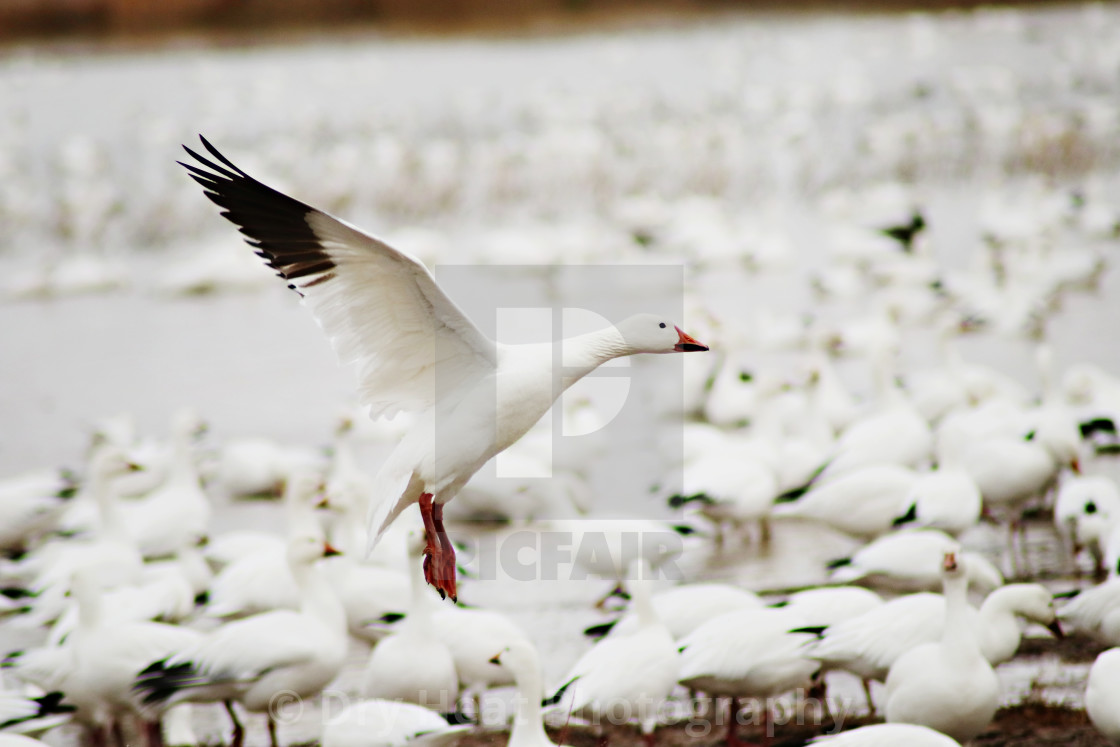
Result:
[
  {"x": 110, "y": 554},
  {"x": 388, "y": 723},
  {"x": 893, "y": 433},
  {"x": 177, "y": 513},
  {"x": 868, "y": 645},
  {"x": 947, "y": 684},
  {"x": 906, "y": 560},
  {"x": 259, "y": 579},
  {"x": 829, "y": 605},
  {"x": 888, "y": 735},
  {"x": 730, "y": 488},
  {"x": 1085, "y": 512},
  {"x": 414, "y": 664},
  {"x": 682, "y": 609},
  {"x": 520, "y": 658},
  {"x": 945, "y": 498},
  {"x": 469, "y": 633},
  {"x": 1102, "y": 694},
  {"x": 252, "y": 659},
  {"x": 637, "y": 670},
  {"x": 96, "y": 663},
  {"x": 30, "y": 506},
  {"x": 862, "y": 502},
  {"x": 747, "y": 654},
  {"x": 1095, "y": 612}
]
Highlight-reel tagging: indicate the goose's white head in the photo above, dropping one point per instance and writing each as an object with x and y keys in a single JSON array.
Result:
[
  {"x": 305, "y": 549},
  {"x": 650, "y": 333}
]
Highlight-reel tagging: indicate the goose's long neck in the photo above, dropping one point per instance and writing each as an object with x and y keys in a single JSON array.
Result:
[
  {"x": 582, "y": 354},
  {"x": 182, "y": 460},
  {"x": 88, "y": 598},
  {"x": 316, "y": 598},
  {"x": 528, "y": 724},
  {"x": 643, "y": 603},
  {"x": 108, "y": 509},
  {"x": 959, "y": 637}
]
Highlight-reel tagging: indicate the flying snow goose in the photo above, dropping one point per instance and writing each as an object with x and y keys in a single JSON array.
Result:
[
  {"x": 946, "y": 685},
  {"x": 384, "y": 312},
  {"x": 1102, "y": 694},
  {"x": 253, "y": 659},
  {"x": 634, "y": 672},
  {"x": 388, "y": 723}
]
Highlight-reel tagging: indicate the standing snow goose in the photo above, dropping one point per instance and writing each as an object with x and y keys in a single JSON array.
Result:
[
  {"x": 523, "y": 662},
  {"x": 888, "y": 735},
  {"x": 635, "y": 671},
  {"x": 907, "y": 560},
  {"x": 177, "y": 513},
  {"x": 384, "y": 312},
  {"x": 388, "y": 723},
  {"x": 103, "y": 656},
  {"x": 414, "y": 664},
  {"x": 863, "y": 502},
  {"x": 946, "y": 685},
  {"x": 1102, "y": 694},
  {"x": 682, "y": 609},
  {"x": 1095, "y": 612},
  {"x": 747, "y": 654},
  {"x": 253, "y": 659}
]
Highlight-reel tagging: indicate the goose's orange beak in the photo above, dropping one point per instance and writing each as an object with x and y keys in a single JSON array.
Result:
[{"x": 688, "y": 343}]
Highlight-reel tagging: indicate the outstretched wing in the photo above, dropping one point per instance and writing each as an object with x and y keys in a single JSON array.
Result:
[{"x": 380, "y": 307}]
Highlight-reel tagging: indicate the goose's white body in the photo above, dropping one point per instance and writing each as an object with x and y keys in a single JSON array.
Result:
[
  {"x": 1102, "y": 694},
  {"x": 862, "y": 502},
  {"x": 888, "y": 735},
  {"x": 30, "y": 505},
  {"x": 829, "y": 605},
  {"x": 682, "y": 609},
  {"x": 636, "y": 671},
  {"x": 907, "y": 561},
  {"x": 388, "y": 723},
  {"x": 1095, "y": 612},
  {"x": 747, "y": 653},
  {"x": 947, "y": 684},
  {"x": 523, "y": 663},
  {"x": 414, "y": 664},
  {"x": 252, "y": 659},
  {"x": 472, "y": 636},
  {"x": 947, "y": 499},
  {"x": 867, "y": 645}
]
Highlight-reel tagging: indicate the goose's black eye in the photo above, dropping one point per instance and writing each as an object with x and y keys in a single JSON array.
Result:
[{"x": 662, "y": 325}]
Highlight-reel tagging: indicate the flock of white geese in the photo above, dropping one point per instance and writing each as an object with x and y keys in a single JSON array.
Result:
[{"x": 141, "y": 608}]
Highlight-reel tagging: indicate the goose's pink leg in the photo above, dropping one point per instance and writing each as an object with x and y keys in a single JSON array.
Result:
[
  {"x": 445, "y": 568},
  {"x": 432, "y": 550}
]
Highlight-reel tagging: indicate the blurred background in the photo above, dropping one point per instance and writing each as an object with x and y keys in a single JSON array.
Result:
[{"x": 762, "y": 148}]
